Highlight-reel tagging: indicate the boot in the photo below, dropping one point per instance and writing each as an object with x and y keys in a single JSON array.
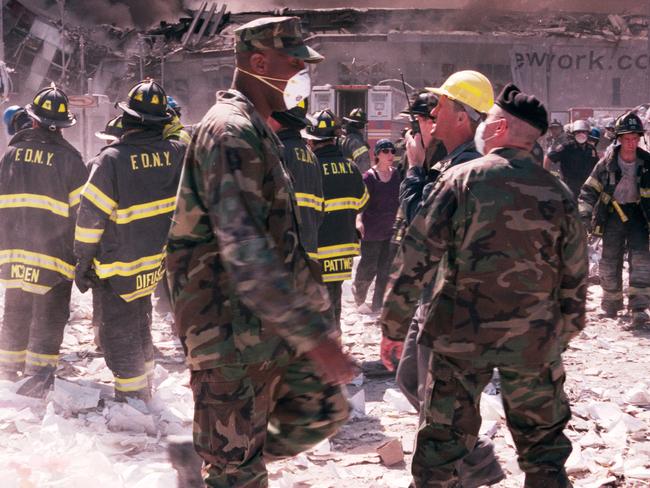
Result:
[
  {"x": 123, "y": 396},
  {"x": 610, "y": 309},
  {"x": 480, "y": 467},
  {"x": 37, "y": 386},
  {"x": 640, "y": 319},
  {"x": 186, "y": 462}
]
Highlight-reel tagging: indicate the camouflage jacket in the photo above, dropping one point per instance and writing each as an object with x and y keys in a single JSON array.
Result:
[
  {"x": 355, "y": 148},
  {"x": 513, "y": 281},
  {"x": 241, "y": 284},
  {"x": 595, "y": 202}
]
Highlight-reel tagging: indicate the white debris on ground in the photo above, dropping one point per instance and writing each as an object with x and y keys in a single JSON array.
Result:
[{"x": 79, "y": 435}]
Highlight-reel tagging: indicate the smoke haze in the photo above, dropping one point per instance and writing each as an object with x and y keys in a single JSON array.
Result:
[
  {"x": 127, "y": 13},
  {"x": 593, "y": 6}
]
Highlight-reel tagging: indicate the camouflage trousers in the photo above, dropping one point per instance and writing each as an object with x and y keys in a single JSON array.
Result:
[
  {"x": 536, "y": 407},
  {"x": 245, "y": 415},
  {"x": 620, "y": 238}
]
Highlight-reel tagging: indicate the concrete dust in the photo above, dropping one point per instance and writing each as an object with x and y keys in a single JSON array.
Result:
[{"x": 69, "y": 441}]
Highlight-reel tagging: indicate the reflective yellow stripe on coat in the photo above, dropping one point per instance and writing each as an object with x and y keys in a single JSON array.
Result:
[
  {"x": 32, "y": 200},
  {"x": 310, "y": 200},
  {"x": 120, "y": 268},
  {"x": 144, "y": 210},
  {"x": 99, "y": 198},
  {"x": 36, "y": 259}
]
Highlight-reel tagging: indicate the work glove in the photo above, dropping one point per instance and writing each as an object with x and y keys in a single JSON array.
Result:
[
  {"x": 391, "y": 353},
  {"x": 85, "y": 276}
]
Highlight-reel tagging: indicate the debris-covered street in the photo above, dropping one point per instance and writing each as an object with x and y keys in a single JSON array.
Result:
[
  {"x": 79, "y": 435},
  {"x": 359, "y": 243}
]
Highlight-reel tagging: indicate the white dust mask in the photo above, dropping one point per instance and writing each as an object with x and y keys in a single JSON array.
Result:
[
  {"x": 297, "y": 89},
  {"x": 581, "y": 138}
]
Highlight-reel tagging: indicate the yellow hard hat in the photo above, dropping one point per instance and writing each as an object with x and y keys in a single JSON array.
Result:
[{"x": 468, "y": 87}]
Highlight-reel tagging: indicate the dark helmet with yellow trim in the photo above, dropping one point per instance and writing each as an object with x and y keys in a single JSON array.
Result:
[
  {"x": 323, "y": 125},
  {"x": 50, "y": 108},
  {"x": 356, "y": 118},
  {"x": 147, "y": 102},
  {"x": 113, "y": 130},
  {"x": 628, "y": 123},
  {"x": 296, "y": 117}
]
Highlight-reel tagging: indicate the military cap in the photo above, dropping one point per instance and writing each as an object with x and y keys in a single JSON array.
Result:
[
  {"x": 525, "y": 107},
  {"x": 280, "y": 33}
]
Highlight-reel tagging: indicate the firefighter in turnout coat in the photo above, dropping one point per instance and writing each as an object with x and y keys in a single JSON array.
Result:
[
  {"x": 41, "y": 177},
  {"x": 121, "y": 231},
  {"x": 345, "y": 196},
  {"x": 615, "y": 204}
]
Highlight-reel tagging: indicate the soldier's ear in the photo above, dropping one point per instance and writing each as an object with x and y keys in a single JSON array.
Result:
[{"x": 259, "y": 63}]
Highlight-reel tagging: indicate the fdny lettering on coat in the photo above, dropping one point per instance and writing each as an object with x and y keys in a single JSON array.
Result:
[
  {"x": 337, "y": 168},
  {"x": 35, "y": 156},
  {"x": 150, "y": 160},
  {"x": 337, "y": 265},
  {"x": 25, "y": 273},
  {"x": 304, "y": 156}
]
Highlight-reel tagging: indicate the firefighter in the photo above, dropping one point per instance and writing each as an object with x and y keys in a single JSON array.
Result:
[
  {"x": 615, "y": 203},
  {"x": 41, "y": 177},
  {"x": 110, "y": 135},
  {"x": 576, "y": 157},
  {"x": 16, "y": 118},
  {"x": 121, "y": 231},
  {"x": 305, "y": 172},
  {"x": 555, "y": 136},
  {"x": 352, "y": 144},
  {"x": 175, "y": 129},
  {"x": 345, "y": 196}
]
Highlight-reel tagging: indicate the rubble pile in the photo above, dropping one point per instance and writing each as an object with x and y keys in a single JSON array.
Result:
[{"x": 79, "y": 435}]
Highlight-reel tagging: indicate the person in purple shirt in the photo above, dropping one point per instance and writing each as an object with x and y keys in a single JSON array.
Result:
[{"x": 375, "y": 224}]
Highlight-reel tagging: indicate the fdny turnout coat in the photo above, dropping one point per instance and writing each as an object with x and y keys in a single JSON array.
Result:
[
  {"x": 126, "y": 210},
  {"x": 596, "y": 200},
  {"x": 345, "y": 196},
  {"x": 307, "y": 180},
  {"x": 41, "y": 177}
]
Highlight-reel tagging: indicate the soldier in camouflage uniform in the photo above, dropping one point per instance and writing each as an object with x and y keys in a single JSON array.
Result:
[
  {"x": 352, "y": 143},
  {"x": 249, "y": 310},
  {"x": 512, "y": 296}
]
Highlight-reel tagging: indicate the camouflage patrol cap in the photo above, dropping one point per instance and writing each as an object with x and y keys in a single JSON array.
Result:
[{"x": 280, "y": 33}]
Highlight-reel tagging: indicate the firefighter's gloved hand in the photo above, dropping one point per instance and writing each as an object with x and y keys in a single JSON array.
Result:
[
  {"x": 84, "y": 276},
  {"x": 391, "y": 353}
]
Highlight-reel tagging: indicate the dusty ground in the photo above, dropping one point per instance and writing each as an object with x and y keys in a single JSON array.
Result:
[{"x": 83, "y": 437}]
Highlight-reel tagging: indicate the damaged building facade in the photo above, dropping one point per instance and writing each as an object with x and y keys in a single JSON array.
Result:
[{"x": 569, "y": 60}]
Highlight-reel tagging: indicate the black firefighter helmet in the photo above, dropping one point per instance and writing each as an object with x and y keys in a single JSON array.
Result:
[
  {"x": 356, "y": 118},
  {"x": 50, "y": 108},
  {"x": 323, "y": 125},
  {"x": 628, "y": 123},
  {"x": 295, "y": 117},
  {"x": 423, "y": 104},
  {"x": 147, "y": 102},
  {"x": 113, "y": 130}
]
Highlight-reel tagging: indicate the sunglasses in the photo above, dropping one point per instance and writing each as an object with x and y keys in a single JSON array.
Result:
[{"x": 386, "y": 151}]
